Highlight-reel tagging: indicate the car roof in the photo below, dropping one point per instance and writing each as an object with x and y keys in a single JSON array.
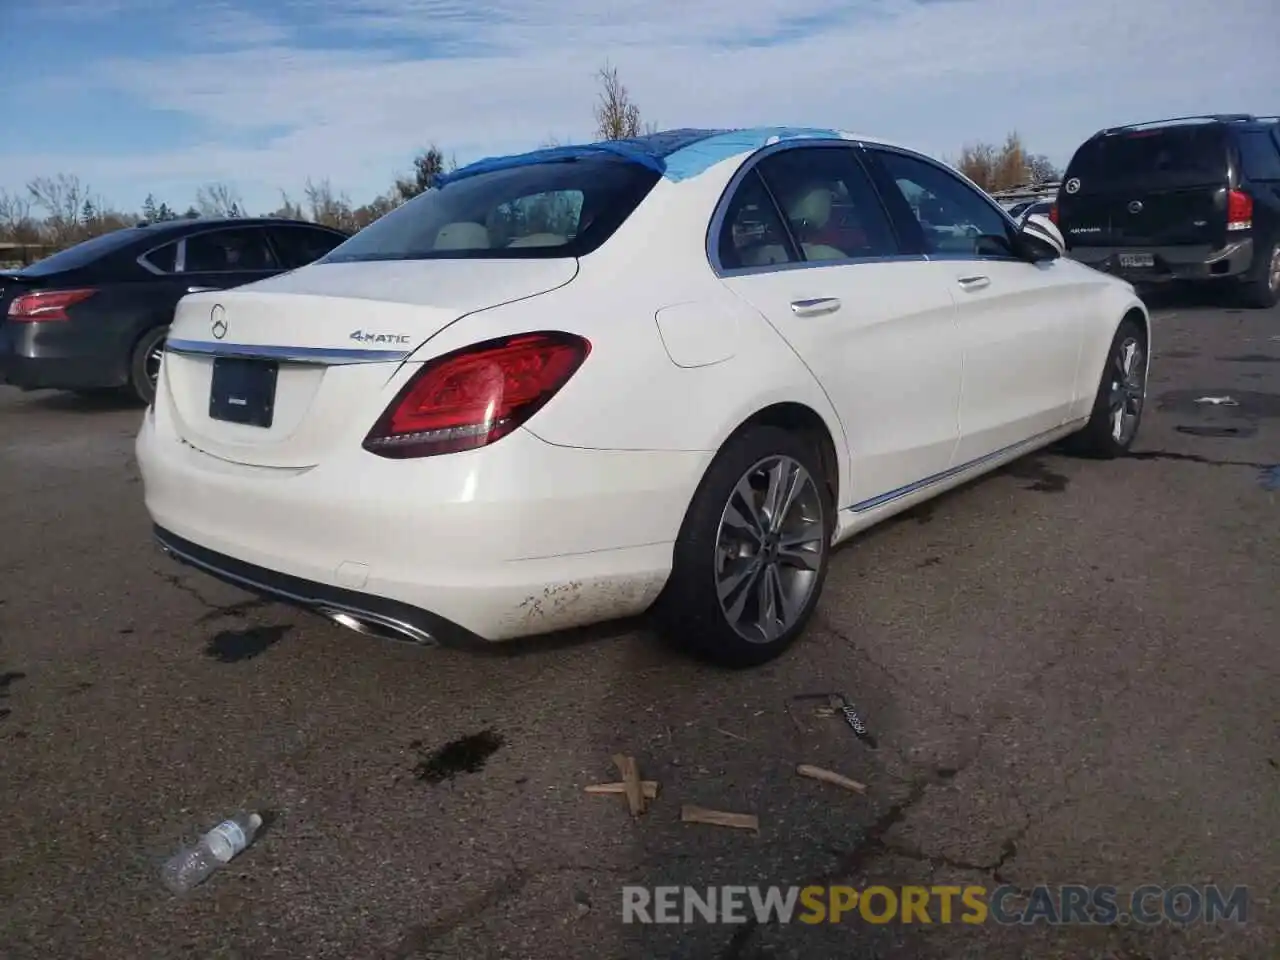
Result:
[{"x": 677, "y": 154}]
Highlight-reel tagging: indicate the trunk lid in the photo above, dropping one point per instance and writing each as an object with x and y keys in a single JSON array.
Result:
[
  {"x": 335, "y": 333},
  {"x": 1148, "y": 188}
]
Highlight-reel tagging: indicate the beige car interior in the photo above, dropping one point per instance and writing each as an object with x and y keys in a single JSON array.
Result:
[
  {"x": 466, "y": 235},
  {"x": 810, "y": 209}
]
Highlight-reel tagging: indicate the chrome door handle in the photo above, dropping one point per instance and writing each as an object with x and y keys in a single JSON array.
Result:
[
  {"x": 200, "y": 289},
  {"x": 816, "y": 307},
  {"x": 974, "y": 283}
]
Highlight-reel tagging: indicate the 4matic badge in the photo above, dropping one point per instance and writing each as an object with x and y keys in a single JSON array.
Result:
[{"x": 362, "y": 336}]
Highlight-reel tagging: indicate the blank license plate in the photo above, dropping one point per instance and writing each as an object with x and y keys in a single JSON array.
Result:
[
  {"x": 243, "y": 391},
  {"x": 1137, "y": 260}
]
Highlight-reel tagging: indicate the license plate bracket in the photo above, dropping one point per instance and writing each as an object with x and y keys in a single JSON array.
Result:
[
  {"x": 243, "y": 390},
  {"x": 1137, "y": 261}
]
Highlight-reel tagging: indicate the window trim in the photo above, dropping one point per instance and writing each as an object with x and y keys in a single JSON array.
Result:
[
  {"x": 857, "y": 150},
  {"x": 1012, "y": 230},
  {"x": 180, "y": 259}
]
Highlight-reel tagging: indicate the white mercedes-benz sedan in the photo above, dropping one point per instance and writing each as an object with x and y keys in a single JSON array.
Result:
[{"x": 670, "y": 373}]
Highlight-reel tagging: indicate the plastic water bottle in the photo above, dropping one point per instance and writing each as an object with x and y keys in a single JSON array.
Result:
[{"x": 192, "y": 867}]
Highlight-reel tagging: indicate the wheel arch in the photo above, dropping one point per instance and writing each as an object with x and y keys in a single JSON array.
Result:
[{"x": 800, "y": 418}]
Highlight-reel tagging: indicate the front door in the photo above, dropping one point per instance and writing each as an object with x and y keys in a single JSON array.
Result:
[
  {"x": 807, "y": 243},
  {"x": 1019, "y": 322}
]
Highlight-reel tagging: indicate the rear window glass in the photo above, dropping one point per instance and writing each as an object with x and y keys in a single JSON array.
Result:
[
  {"x": 1259, "y": 155},
  {"x": 1196, "y": 153},
  {"x": 559, "y": 209},
  {"x": 85, "y": 253}
]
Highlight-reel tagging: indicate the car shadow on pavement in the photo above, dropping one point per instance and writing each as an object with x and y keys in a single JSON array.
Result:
[{"x": 95, "y": 401}]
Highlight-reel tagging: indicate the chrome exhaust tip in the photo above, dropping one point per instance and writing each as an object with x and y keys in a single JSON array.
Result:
[{"x": 380, "y": 627}]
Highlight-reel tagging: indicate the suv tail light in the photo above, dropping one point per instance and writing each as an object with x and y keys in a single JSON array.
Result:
[
  {"x": 46, "y": 304},
  {"x": 477, "y": 395},
  {"x": 1053, "y": 214},
  {"x": 1239, "y": 210}
]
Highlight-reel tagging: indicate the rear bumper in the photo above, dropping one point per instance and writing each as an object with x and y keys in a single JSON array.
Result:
[
  {"x": 518, "y": 539},
  {"x": 1171, "y": 263},
  {"x": 60, "y": 355}
]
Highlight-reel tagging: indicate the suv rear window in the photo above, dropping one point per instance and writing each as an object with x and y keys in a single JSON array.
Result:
[
  {"x": 1193, "y": 155},
  {"x": 558, "y": 209},
  {"x": 1259, "y": 155}
]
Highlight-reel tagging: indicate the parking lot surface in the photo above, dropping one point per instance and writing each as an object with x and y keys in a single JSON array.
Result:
[{"x": 1070, "y": 669}]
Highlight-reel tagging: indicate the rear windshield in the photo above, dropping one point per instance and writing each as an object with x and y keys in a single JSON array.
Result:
[
  {"x": 1191, "y": 155},
  {"x": 565, "y": 208},
  {"x": 83, "y": 254}
]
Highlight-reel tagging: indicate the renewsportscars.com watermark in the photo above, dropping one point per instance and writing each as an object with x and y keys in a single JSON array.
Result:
[{"x": 1063, "y": 904}]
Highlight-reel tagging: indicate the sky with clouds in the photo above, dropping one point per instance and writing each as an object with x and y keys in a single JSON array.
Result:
[{"x": 160, "y": 96}]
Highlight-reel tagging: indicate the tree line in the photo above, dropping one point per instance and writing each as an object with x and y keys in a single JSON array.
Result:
[{"x": 54, "y": 212}]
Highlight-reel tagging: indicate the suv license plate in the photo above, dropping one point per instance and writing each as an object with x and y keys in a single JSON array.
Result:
[{"x": 1137, "y": 260}]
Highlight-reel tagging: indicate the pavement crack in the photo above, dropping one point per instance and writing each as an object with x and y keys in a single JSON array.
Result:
[
  {"x": 178, "y": 583},
  {"x": 419, "y": 937}
]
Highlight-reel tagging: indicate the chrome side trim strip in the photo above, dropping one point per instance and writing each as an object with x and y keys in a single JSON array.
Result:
[
  {"x": 881, "y": 499},
  {"x": 326, "y": 356}
]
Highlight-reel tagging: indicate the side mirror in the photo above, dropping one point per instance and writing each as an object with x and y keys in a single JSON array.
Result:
[{"x": 1042, "y": 238}]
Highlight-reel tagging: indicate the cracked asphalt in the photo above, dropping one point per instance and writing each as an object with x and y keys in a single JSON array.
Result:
[{"x": 1070, "y": 669}]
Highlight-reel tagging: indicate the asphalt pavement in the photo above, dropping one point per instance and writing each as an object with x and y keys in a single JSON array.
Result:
[{"x": 1069, "y": 670}]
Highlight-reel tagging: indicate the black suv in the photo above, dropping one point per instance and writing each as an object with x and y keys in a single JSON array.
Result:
[
  {"x": 1193, "y": 198},
  {"x": 95, "y": 316}
]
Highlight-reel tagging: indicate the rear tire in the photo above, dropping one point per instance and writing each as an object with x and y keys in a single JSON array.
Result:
[
  {"x": 1122, "y": 392},
  {"x": 144, "y": 364},
  {"x": 1261, "y": 286},
  {"x": 757, "y": 534}
]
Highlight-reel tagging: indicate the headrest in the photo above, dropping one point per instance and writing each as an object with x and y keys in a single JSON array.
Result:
[
  {"x": 813, "y": 207},
  {"x": 462, "y": 236}
]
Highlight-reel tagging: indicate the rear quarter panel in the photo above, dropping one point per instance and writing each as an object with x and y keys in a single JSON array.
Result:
[{"x": 630, "y": 394}]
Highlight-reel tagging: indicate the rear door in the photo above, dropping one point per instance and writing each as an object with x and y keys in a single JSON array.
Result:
[
  {"x": 1148, "y": 188},
  {"x": 876, "y": 328},
  {"x": 225, "y": 257},
  {"x": 300, "y": 245}
]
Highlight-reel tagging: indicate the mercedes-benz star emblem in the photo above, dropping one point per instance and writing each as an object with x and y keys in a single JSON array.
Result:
[
  {"x": 218, "y": 318},
  {"x": 1135, "y": 206}
]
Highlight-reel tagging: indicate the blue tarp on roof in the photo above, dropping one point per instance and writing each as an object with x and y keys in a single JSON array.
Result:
[
  {"x": 676, "y": 154},
  {"x": 648, "y": 151},
  {"x": 697, "y": 157}
]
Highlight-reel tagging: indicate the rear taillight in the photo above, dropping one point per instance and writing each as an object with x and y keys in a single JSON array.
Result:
[
  {"x": 1239, "y": 210},
  {"x": 477, "y": 395},
  {"x": 46, "y": 304},
  {"x": 1053, "y": 214}
]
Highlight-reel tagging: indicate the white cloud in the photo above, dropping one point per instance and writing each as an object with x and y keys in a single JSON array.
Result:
[{"x": 934, "y": 75}]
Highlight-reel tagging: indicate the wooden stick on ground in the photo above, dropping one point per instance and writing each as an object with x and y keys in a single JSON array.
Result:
[
  {"x": 719, "y": 818},
  {"x": 648, "y": 789},
  {"x": 827, "y": 776},
  {"x": 630, "y": 774}
]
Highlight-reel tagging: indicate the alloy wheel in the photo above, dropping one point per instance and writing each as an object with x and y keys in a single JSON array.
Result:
[
  {"x": 1128, "y": 389},
  {"x": 154, "y": 357},
  {"x": 769, "y": 548},
  {"x": 1273, "y": 274}
]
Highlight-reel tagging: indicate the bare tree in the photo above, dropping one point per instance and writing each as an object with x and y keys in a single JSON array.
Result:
[
  {"x": 16, "y": 223},
  {"x": 289, "y": 209},
  {"x": 62, "y": 197},
  {"x": 327, "y": 207},
  {"x": 218, "y": 200},
  {"x": 617, "y": 116},
  {"x": 999, "y": 168},
  {"x": 1040, "y": 169}
]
